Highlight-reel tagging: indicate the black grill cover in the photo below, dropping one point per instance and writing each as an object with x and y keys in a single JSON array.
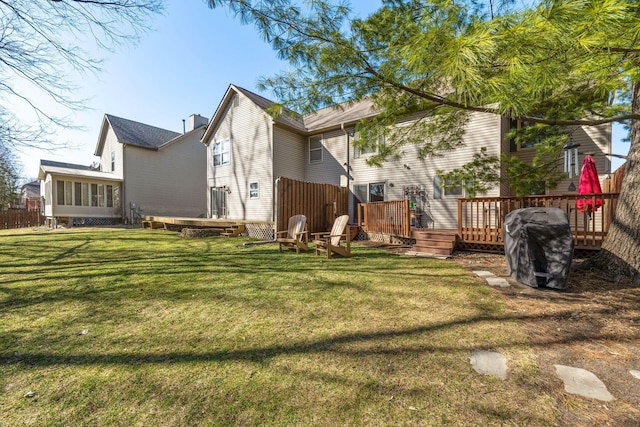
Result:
[{"x": 539, "y": 246}]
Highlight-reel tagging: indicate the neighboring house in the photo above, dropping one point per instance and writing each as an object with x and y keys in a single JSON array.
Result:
[
  {"x": 30, "y": 196},
  {"x": 248, "y": 150},
  {"x": 143, "y": 170}
]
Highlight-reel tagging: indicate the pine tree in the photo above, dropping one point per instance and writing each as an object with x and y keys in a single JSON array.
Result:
[{"x": 555, "y": 63}]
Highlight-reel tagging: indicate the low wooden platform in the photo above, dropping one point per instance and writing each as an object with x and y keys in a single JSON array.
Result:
[{"x": 193, "y": 222}]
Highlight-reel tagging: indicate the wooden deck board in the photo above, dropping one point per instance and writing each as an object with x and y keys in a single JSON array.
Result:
[{"x": 203, "y": 222}]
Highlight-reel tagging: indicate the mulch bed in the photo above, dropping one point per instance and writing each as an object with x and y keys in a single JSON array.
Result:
[{"x": 594, "y": 324}]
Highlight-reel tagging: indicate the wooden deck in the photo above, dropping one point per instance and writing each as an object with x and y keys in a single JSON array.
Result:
[
  {"x": 193, "y": 222},
  {"x": 224, "y": 227},
  {"x": 481, "y": 220}
]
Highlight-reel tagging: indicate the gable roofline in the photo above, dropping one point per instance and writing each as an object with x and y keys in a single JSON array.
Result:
[
  {"x": 322, "y": 120},
  {"x": 199, "y": 129},
  {"x": 218, "y": 115},
  {"x": 134, "y": 133}
]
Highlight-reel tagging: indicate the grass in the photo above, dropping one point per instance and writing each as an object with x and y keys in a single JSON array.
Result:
[{"x": 142, "y": 327}]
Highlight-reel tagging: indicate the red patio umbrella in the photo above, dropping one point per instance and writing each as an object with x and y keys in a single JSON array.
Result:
[{"x": 589, "y": 184}]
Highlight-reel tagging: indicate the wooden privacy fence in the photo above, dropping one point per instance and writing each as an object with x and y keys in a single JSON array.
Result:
[
  {"x": 480, "y": 220},
  {"x": 19, "y": 219},
  {"x": 391, "y": 218},
  {"x": 320, "y": 203}
]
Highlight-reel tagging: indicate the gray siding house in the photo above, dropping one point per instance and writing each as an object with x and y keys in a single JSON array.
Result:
[
  {"x": 143, "y": 170},
  {"x": 248, "y": 149}
]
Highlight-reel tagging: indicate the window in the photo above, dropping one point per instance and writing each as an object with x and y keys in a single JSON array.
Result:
[
  {"x": 85, "y": 194},
  {"x": 538, "y": 188},
  {"x": 113, "y": 161},
  {"x": 519, "y": 125},
  {"x": 315, "y": 149},
  {"x": 448, "y": 190},
  {"x": 101, "y": 195},
  {"x": 369, "y": 148},
  {"x": 376, "y": 192},
  {"x": 254, "y": 190},
  {"x": 222, "y": 153},
  {"x": 78, "y": 193},
  {"x": 116, "y": 196},
  {"x": 68, "y": 193},
  {"x": 94, "y": 194},
  {"x": 60, "y": 192},
  {"x": 109, "y": 196}
]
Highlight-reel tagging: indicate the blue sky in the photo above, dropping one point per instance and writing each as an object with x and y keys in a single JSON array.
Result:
[{"x": 182, "y": 67}]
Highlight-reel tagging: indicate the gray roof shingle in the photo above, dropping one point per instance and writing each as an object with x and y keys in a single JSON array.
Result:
[
  {"x": 64, "y": 165},
  {"x": 139, "y": 134}
]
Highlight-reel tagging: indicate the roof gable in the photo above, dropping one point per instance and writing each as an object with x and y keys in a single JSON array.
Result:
[
  {"x": 290, "y": 120},
  {"x": 324, "y": 119},
  {"x": 139, "y": 134}
]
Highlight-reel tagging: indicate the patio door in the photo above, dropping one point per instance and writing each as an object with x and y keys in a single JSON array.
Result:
[{"x": 218, "y": 202}]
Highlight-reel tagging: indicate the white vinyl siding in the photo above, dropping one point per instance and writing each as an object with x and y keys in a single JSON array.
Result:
[
  {"x": 483, "y": 130},
  {"x": 334, "y": 145},
  {"x": 170, "y": 181},
  {"x": 249, "y": 129},
  {"x": 288, "y": 154},
  {"x": 112, "y": 155}
]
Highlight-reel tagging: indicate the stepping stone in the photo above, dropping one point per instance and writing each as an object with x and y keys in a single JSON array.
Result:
[
  {"x": 582, "y": 382},
  {"x": 489, "y": 363},
  {"x": 484, "y": 274},
  {"x": 635, "y": 374},
  {"x": 498, "y": 281}
]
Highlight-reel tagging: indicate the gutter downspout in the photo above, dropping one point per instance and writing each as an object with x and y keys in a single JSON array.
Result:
[
  {"x": 124, "y": 183},
  {"x": 348, "y": 164}
]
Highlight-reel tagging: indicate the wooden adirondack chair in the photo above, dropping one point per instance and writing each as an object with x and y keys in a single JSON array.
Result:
[
  {"x": 296, "y": 235},
  {"x": 331, "y": 242}
]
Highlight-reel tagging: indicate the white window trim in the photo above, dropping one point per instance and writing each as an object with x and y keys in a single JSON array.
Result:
[
  {"x": 257, "y": 190},
  {"x": 357, "y": 152},
  {"x": 221, "y": 154},
  {"x": 321, "y": 149},
  {"x": 440, "y": 191}
]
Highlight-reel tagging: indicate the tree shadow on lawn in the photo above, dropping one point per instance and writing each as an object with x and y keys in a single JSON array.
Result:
[{"x": 327, "y": 345}]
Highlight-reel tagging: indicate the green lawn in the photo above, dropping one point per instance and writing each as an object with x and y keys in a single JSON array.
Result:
[{"x": 143, "y": 327}]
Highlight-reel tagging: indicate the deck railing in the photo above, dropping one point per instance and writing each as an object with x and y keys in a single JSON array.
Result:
[
  {"x": 480, "y": 220},
  {"x": 391, "y": 218}
]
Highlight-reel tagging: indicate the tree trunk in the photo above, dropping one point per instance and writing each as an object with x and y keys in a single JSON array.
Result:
[{"x": 620, "y": 253}]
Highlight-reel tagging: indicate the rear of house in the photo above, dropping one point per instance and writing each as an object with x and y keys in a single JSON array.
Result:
[{"x": 248, "y": 150}]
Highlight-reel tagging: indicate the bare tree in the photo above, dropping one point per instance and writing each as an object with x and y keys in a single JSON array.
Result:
[
  {"x": 41, "y": 45},
  {"x": 9, "y": 179}
]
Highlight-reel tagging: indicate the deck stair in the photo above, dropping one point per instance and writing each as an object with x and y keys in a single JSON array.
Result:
[
  {"x": 437, "y": 242},
  {"x": 153, "y": 224},
  {"x": 234, "y": 230}
]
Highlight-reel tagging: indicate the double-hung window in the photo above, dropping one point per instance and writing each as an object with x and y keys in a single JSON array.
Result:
[
  {"x": 449, "y": 189},
  {"x": 315, "y": 149},
  {"x": 254, "y": 190},
  {"x": 222, "y": 153},
  {"x": 516, "y": 144},
  {"x": 369, "y": 147}
]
